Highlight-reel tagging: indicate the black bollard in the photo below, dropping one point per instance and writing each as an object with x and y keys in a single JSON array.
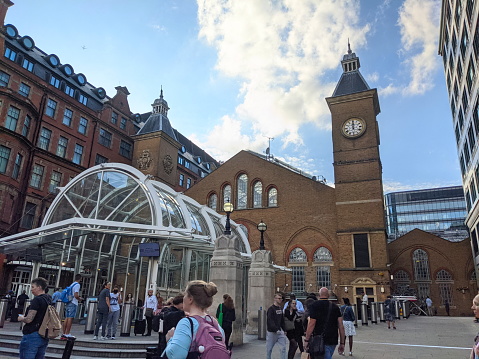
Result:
[
  {"x": 151, "y": 353},
  {"x": 68, "y": 348}
]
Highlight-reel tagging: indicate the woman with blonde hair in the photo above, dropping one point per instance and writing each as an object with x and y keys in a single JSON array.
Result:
[
  {"x": 198, "y": 298},
  {"x": 475, "y": 348}
]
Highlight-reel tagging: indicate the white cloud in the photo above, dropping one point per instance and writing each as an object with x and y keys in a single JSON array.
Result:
[
  {"x": 419, "y": 25},
  {"x": 280, "y": 52},
  {"x": 374, "y": 77},
  {"x": 389, "y": 90}
]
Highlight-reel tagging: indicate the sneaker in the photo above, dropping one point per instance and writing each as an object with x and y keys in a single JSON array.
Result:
[
  {"x": 112, "y": 338},
  {"x": 108, "y": 337},
  {"x": 64, "y": 337},
  {"x": 103, "y": 338},
  {"x": 95, "y": 337}
]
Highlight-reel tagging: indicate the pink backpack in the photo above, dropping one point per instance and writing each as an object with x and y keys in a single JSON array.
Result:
[{"x": 209, "y": 342}]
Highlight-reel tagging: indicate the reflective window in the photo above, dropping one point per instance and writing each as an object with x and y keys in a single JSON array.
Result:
[
  {"x": 322, "y": 254},
  {"x": 67, "y": 117},
  {"x": 54, "y": 82},
  {"x": 24, "y": 90},
  {"x": 257, "y": 194},
  {"x": 4, "y": 78},
  {"x": 37, "y": 176},
  {"x": 12, "y": 118},
  {"x": 298, "y": 279},
  {"x": 171, "y": 211},
  {"x": 17, "y": 166},
  {"x": 51, "y": 107},
  {"x": 421, "y": 265},
  {"x": 82, "y": 125},
  {"x": 123, "y": 122},
  {"x": 78, "y": 154},
  {"x": 82, "y": 99},
  {"x": 62, "y": 146},
  {"x": 105, "y": 138},
  {"x": 445, "y": 283},
  {"x": 114, "y": 118},
  {"x": 198, "y": 223},
  {"x": 70, "y": 91},
  {"x": 55, "y": 181},
  {"x": 188, "y": 183},
  {"x": 242, "y": 191},
  {"x": 298, "y": 255},
  {"x": 10, "y": 54},
  {"x": 125, "y": 149},
  {"x": 26, "y": 126},
  {"x": 99, "y": 159},
  {"x": 213, "y": 201},
  {"x": 29, "y": 215},
  {"x": 4, "y": 158},
  {"x": 227, "y": 193},
  {"x": 28, "y": 65},
  {"x": 44, "y": 139},
  {"x": 181, "y": 181},
  {"x": 272, "y": 197}
]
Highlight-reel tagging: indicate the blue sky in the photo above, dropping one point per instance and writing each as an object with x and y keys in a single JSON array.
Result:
[{"x": 237, "y": 72}]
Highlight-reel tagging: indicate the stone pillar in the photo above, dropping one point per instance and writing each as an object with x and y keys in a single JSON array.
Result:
[
  {"x": 226, "y": 271},
  {"x": 261, "y": 287}
]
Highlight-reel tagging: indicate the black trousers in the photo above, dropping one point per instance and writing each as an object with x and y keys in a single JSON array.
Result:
[{"x": 149, "y": 321}]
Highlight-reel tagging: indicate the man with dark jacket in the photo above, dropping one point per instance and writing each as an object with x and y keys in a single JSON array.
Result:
[
  {"x": 171, "y": 316},
  {"x": 275, "y": 327}
]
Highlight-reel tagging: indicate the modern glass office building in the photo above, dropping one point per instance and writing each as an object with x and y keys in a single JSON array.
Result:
[{"x": 441, "y": 211}]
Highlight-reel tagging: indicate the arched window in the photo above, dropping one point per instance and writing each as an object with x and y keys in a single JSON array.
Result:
[
  {"x": 298, "y": 256},
  {"x": 444, "y": 281},
  {"x": 226, "y": 194},
  {"x": 257, "y": 194},
  {"x": 213, "y": 201},
  {"x": 273, "y": 197},
  {"x": 401, "y": 282},
  {"x": 242, "y": 191},
  {"x": 421, "y": 265},
  {"x": 323, "y": 260}
]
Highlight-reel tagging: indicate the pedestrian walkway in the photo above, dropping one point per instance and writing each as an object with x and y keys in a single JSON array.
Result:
[{"x": 418, "y": 337}]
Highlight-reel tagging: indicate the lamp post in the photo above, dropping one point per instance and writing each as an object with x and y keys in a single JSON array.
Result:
[
  {"x": 262, "y": 228},
  {"x": 228, "y": 208}
]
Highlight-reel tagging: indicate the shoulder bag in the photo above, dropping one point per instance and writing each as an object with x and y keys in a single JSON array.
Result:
[
  {"x": 288, "y": 323},
  {"x": 316, "y": 345}
]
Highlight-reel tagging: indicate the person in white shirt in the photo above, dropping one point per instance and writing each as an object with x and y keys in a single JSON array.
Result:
[
  {"x": 299, "y": 305},
  {"x": 114, "y": 315},
  {"x": 150, "y": 305},
  {"x": 365, "y": 299}
]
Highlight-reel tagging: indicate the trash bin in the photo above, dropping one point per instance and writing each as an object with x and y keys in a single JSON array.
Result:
[
  {"x": 126, "y": 316},
  {"x": 397, "y": 305},
  {"x": 355, "y": 310},
  {"x": 382, "y": 317},
  {"x": 91, "y": 317},
  {"x": 3, "y": 311},
  {"x": 374, "y": 312},
  {"x": 364, "y": 314},
  {"x": 406, "y": 309},
  {"x": 60, "y": 308},
  {"x": 261, "y": 324}
]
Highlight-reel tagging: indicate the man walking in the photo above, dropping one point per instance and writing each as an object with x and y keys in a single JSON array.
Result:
[
  {"x": 325, "y": 319},
  {"x": 430, "y": 310},
  {"x": 151, "y": 302},
  {"x": 103, "y": 310},
  {"x": 71, "y": 307},
  {"x": 32, "y": 344},
  {"x": 275, "y": 327}
]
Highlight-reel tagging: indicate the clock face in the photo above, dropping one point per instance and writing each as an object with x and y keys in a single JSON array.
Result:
[{"x": 354, "y": 127}]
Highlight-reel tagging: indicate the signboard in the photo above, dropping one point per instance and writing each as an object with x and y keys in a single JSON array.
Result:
[{"x": 149, "y": 249}]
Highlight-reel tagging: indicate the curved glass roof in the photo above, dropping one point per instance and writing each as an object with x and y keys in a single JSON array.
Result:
[{"x": 117, "y": 198}]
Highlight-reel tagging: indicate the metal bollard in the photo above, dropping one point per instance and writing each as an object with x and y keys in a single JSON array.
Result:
[
  {"x": 382, "y": 317},
  {"x": 355, "y": 310},
  {"x": 67, "y": 352},
  {"x": 396, "y": 309},
  {"x": 261, "y": 324},
  {"x": 91, "y": 318},
  {"x": 374, "y": 312},
  {"x": 151, "y": 352},
  {"x": 3, "y": 311},
  {"x": 406, "y": 310},
  {"x": 126, "y": 316},
  {"x": 364, "y": 314}
]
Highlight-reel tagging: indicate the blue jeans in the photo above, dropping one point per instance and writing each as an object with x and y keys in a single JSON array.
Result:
[
  {"x": 271, "y": 339},
  {"x": 33, "y": 346},
  {"x": 329, "y": 351}
]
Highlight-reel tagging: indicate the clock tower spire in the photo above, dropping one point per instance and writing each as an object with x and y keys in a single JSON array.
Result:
[{"x": 361, "y": 230}]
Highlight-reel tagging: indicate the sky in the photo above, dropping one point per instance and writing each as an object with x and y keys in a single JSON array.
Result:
[{"x": 238, "y": 74}]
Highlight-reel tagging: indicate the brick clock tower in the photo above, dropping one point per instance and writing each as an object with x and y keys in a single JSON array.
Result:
[{"x": 361, "y": 231}]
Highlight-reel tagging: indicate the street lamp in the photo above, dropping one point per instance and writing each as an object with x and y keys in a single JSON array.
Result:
[
  {"x": 262, "y": 228},
  {"x": 228, "y": 208}
]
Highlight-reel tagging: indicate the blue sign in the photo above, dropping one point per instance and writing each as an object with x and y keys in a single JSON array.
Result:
[{"x": 149, "y": 249}]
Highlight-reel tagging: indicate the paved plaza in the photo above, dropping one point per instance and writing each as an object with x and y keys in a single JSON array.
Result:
[{"x": 415, "y": 338}]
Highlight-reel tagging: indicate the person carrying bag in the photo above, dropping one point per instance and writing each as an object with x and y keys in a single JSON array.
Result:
[{"x": 316, "y": 345}]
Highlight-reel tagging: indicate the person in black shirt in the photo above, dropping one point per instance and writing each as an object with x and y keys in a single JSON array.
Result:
[
  {"x": 103, "y": 310},
  {"x": 21, "y": 301},
  {"x": 171, "y": 316},
  {"x": 32, "y": 344},
  {"x": 318, "y": 315},
  {"x": 275, "y": 327}
]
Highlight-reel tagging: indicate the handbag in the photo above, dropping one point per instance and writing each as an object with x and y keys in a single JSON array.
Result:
[
  {"x": 316, "y": 345},
  {"x": 220, "y": 315},
  {"x": 288, "y": 324},
  {"x": 149, "y": 312}
]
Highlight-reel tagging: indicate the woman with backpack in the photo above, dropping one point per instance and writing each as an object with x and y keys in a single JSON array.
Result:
[
  {"x": 348, "y": 322},
  {"x": 226, "y": 315},
  {"x": 199, "y": 333}
]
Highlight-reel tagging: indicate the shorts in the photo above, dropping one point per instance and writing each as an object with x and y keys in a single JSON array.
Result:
[{"x": 70, "y": 310}]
